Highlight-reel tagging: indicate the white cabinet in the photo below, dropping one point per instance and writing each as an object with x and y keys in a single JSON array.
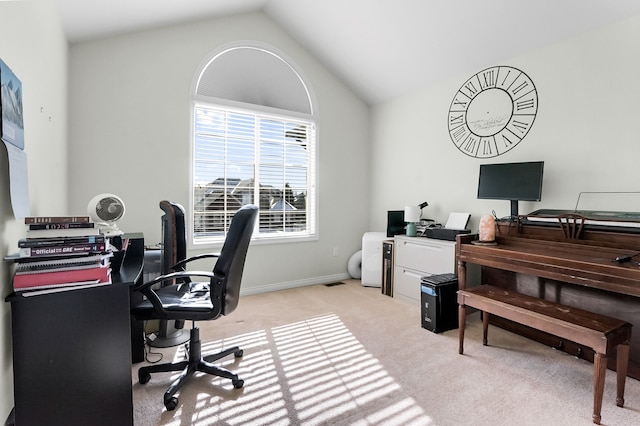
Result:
[{"x": 416, "y": 257}]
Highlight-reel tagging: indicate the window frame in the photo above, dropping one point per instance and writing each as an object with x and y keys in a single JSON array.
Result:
[{"x": 312, "y": 169}]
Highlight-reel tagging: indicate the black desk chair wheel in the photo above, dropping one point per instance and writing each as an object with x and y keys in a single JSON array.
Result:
[{"x": 203, "y": 301}]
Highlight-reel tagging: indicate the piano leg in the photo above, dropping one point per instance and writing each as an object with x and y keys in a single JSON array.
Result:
[
  {"x": 485, "y": 328},
  {"x": 462, "y": 316}
]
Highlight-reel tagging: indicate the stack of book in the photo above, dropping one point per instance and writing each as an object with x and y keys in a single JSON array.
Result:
[
  {"x": 61, "y": 252},
  {"x": 63, "y": 235}
]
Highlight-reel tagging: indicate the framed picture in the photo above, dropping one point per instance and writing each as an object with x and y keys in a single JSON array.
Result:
[{"x": 11, "y": 116}]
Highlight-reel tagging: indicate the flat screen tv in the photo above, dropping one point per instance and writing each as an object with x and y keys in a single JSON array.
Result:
[{"x": 511, "y": 181}]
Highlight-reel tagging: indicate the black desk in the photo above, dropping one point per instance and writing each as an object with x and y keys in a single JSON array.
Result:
[{"x": 72, "y": 352}]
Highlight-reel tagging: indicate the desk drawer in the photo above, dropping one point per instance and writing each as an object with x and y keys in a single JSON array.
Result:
[
  {"x": 433, "y": 257},
  {"x": 406, "y": 284}
]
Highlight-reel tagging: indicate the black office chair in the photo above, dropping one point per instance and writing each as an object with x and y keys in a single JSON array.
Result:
[{"x": 205, "y": 301}]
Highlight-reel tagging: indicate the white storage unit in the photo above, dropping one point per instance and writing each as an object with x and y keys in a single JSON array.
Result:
[
  {"x": 416, "y": 257},
  {"x": 372, "y": 258}
]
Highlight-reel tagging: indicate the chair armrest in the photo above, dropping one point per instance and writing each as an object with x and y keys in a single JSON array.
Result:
[{"x": 179, "y": 266}]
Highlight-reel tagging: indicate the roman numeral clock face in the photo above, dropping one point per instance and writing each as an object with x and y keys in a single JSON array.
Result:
[{"x": 492, "y": 112}]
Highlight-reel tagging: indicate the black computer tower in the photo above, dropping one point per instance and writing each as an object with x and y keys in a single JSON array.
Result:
[{"x": 439, "y": 302}]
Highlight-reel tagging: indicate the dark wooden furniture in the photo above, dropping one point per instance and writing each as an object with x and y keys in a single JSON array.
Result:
[
  {"x": 72, "y": 351},
  {"x": 599, "y": 332},
  {"x": 579, "y": 270}
]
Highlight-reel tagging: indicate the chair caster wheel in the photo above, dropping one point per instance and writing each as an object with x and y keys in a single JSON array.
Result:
[
  {"x": 143, "y": 378},
  {"x": 238, "y": 353},
  {"x": 171, "y": 403},
  {"x": 238, "y": 383}
]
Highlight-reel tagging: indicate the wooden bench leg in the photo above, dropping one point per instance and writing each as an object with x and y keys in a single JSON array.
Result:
[
  {"x": 485, "y": 328},
  {"x": 462, "y": 316},
  {"x": 621, "y": 367},
  {"x": 599, "y": 372}
]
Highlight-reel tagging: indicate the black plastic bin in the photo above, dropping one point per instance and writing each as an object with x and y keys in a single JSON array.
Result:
[{"x": 439, "y": 302}]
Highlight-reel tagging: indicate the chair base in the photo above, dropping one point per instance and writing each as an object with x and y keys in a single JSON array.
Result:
[
  {"x": 196, "y": 362},
  {"x": 168, "y": 337}
]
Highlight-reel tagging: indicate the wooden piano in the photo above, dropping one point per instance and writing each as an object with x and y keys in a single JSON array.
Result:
[{"x": 577, "y": 268}]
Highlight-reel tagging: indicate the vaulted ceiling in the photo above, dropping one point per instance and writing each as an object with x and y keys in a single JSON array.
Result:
[{"x": 380, "y": 48}]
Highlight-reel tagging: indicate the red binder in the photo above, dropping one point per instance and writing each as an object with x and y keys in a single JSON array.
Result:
[{"x": 61, "y": 278}]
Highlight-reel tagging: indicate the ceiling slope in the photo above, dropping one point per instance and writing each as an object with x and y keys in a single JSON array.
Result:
[{"x": 380, "y": 48}]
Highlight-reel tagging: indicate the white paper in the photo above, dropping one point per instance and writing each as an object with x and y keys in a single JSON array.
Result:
[
  {"x": 457, "y": 221},
  {"x": 19, "y": 183}
]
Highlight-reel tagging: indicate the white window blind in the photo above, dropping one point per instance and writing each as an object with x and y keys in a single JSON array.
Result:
[{"x": 245, "y": 157}]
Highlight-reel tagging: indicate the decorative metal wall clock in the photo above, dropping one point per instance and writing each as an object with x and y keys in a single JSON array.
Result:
[{"x": 492, "y": 112}]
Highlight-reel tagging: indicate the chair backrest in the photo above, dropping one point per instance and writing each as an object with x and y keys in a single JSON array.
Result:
[
  {"x": 174, "y": 237},
  {"x": 230, "y": 264}
]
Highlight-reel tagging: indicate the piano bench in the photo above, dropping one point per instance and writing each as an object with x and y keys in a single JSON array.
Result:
[{"x": 599, "y": 332}]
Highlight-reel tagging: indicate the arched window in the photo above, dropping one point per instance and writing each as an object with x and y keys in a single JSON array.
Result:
[{"x": 254, "y": 142}]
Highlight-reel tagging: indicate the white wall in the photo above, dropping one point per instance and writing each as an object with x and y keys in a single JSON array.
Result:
[
  {"x": 585, "y": 131},
  {"x": 129, "y": 134},
  {"x": 129, "y": 127},
  {"x": 33, "y": 46}
]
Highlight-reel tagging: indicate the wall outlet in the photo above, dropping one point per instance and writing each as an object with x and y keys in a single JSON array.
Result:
[{"x": 336, "y": 251}]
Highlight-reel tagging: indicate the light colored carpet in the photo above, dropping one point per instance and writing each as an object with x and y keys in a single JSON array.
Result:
[{"x": 348, "y": 355}]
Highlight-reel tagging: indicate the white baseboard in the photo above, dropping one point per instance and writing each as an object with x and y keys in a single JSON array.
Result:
[{"x": 248, "y": 290}]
